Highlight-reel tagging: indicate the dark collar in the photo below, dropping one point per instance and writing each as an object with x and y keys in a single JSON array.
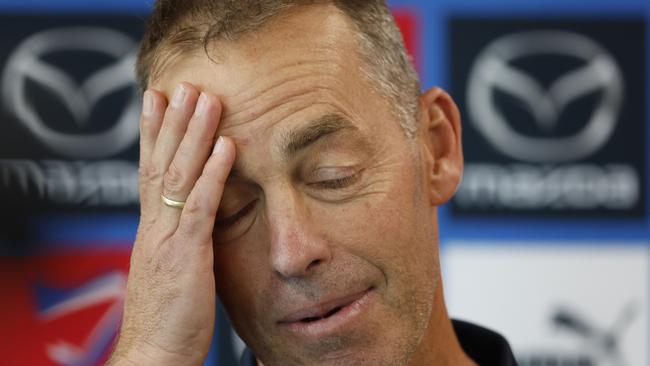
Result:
[{"x": 484, "y": 346}]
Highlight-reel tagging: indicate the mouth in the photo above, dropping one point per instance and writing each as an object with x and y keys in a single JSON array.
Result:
[
  {"x": 310, "y": 319},
  {"x": 328, "y": 317}
]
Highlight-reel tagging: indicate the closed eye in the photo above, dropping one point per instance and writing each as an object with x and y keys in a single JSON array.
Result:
[
  {"x": 337, "y": 183},
  {"x": 232, "y": 220}
]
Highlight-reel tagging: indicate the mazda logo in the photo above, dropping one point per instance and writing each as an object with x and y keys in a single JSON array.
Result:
[
  {"x": 493, "y": 71},
  {"x": 28, "y": 62}
]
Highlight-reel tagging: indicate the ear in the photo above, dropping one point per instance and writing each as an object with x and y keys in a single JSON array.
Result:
[{"x": 440, "y": 134}]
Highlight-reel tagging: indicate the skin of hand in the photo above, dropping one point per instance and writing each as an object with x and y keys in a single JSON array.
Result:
[{"x": 169, "y": 309}]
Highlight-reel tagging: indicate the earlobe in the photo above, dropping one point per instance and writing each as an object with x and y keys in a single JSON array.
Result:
[{"x": 441, "y": 138}]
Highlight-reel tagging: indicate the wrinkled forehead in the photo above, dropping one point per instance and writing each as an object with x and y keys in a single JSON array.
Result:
[
  {"x": 291, "y": 71},
  {"x": 305, "y": 34},
  {"x": 258, "y": 99},
  {"x": 286, "y": 75}
]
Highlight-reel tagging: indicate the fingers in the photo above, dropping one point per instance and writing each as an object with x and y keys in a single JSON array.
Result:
[
  {"x": 153, "y": 105},
  {"x": 200, "y": 210},
  {"x": 153, "y": 108},
  {"x": 178, "y": 159},
  {"x": 177, "y": 117},
  {"x": 192, "y": 154}
]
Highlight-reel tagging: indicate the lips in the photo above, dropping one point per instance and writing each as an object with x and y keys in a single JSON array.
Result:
[
  {"x": 322, "y": 310},
  {"x": 328, "y": 317}
]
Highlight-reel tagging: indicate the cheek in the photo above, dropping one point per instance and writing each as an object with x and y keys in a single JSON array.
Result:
[
  {"x": 237, "y": 272},
  {"x": 241, "y": 265},
  {"x": 380, "y": 228},
  {"x": 391, "y": 231}
]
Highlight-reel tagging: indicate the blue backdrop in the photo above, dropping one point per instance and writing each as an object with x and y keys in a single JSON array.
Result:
[{"x": 52, "y": 252}]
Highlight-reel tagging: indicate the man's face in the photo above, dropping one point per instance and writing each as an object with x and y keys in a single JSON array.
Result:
[{"x": 325, "y": 241}]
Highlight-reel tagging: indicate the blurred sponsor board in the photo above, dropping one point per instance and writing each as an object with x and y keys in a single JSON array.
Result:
[
  {"x": 61, "y": 308},
  {"x": 557, "y": 303},
  {"x": 554, "y": 116},
  {"x": 69, "y": 110},
  {"x": 409, "y": 25}
]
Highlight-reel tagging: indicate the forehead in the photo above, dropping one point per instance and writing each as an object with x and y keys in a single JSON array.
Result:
[{"x": 298, "y": 67}]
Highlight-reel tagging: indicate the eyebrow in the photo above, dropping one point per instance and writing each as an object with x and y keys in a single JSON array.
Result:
[{"x": 299, "y": 139}]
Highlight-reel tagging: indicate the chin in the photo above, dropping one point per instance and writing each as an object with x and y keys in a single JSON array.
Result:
[
  {"x": 373, "y": 349},
  {"x": 347, "y": 358}
]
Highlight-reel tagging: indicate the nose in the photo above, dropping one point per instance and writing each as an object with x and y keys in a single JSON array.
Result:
[{"x": 297, "y": 247}]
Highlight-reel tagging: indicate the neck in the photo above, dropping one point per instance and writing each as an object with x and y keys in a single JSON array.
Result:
[{"x": 440, "y": 346}]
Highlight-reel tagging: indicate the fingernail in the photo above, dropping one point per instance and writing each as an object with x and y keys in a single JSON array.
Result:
[
  {"x": 179, "y": 96},
  {"x": 147, "y": 104},
  {"x": 202, "y": 105},
  {"x": 218, "y": 147}
]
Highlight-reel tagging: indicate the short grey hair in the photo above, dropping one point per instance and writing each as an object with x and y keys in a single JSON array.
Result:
[{"x": 180, "y": 27}]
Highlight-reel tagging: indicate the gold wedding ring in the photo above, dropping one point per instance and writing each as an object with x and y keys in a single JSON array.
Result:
[{"x": 171, "y": 203}]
